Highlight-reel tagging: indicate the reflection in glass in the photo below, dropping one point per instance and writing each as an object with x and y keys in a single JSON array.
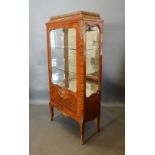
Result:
[
  {"x": 63, "y": 54},
  {"x": 92, "y": 57}
]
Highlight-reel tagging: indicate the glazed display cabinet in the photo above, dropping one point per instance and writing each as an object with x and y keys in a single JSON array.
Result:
[{"x": 74, "y": 43}]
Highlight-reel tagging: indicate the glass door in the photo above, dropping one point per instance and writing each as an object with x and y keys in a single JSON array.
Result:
[{"x": 63, "y": 57}]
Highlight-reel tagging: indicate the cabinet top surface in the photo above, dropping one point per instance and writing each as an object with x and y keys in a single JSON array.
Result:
[{"x": 76, "y": 15}]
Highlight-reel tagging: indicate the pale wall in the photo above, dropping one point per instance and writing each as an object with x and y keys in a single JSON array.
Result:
[{"x": 113, "y": 13}]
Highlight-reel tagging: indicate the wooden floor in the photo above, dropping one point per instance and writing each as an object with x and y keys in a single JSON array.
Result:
[{"x": 62, "y": 136}]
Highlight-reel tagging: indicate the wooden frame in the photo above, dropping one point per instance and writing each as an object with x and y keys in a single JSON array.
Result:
[{"x": 75, "y": 104}]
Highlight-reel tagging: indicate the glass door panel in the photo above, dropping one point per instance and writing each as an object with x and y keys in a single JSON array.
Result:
[
  {"x": 92, "y": 59},
  {"x": 63, "y": 57}
]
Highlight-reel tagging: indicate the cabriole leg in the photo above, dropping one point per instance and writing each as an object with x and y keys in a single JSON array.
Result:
[
  {"x": 98, "y": 123},
  {"x": 51, "y": 111},
  {"x": 82, "y": 132}
]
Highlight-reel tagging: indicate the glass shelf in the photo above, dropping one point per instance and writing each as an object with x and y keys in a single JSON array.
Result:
[
  {"x": 69, "y": 48},
  {"x": 62, "y": 69},
  {"x": 72, "y": 50},
  {"x": 72, "y": 69}
]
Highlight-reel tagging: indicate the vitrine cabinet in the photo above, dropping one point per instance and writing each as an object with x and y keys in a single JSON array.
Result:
[{"x": 74, "y": 43}]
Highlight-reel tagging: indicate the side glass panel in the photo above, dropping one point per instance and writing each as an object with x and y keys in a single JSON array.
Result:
[
  {"x": 63, "y": 58},
  {"x": 92, "y": 59}
]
